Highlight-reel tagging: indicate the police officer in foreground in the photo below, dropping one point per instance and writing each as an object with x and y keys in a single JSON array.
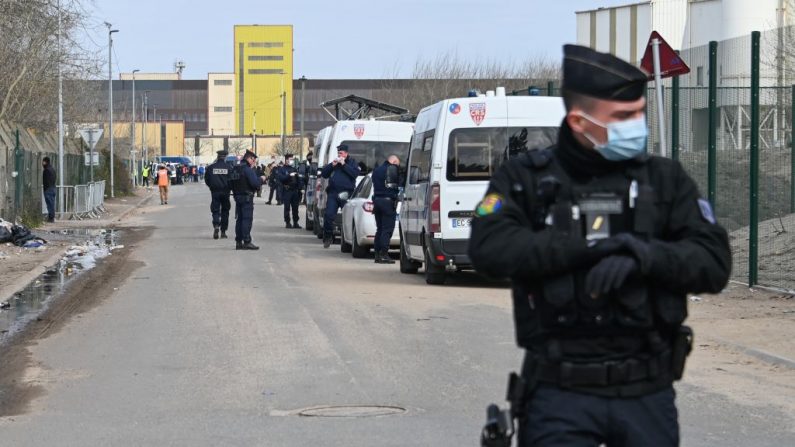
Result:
[
  {"x": 602, "y": 244},
  {"x": 244, "y": 184},
  {"x": 342, "y": 173},
  {"x": 292, "y": 182},
  {"x": 217, "y": 179},
  {"x": 385, "y": 191}
]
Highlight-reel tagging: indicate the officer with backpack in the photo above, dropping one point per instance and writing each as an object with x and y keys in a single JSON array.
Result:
[
  {"x": 217, "y": 179},
  {"x": 602, "y": 243}
]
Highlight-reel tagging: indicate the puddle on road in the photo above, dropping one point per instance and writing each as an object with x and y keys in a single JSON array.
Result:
[{"x": 28, "y": 304}]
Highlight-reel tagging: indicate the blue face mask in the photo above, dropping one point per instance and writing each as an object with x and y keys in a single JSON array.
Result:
[{"x": 625, "y": 139}]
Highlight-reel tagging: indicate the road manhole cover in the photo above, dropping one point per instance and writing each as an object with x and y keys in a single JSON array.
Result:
[{"x": 351, "y": 411}]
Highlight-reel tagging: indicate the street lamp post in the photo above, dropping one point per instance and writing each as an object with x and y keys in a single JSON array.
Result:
[
  {"x": 303, "y": 82},
  {"x": 254, "y": 133},
  {"x": 60, "y": 121},
  {"x": 283, "y": 117},
  {"x": 110, "y": 102},
  {"x": 143, "y": 132},
  {"x": 132, "y": 132}
]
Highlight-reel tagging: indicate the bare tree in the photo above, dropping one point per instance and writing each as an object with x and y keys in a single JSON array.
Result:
[
  {"x": 292, "y": 145},
  {"x": 448, "y": 75},
  {"x": 30, "y": 57}
]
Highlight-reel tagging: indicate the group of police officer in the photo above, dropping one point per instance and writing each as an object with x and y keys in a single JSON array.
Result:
[{"x": 602, "y": 244}]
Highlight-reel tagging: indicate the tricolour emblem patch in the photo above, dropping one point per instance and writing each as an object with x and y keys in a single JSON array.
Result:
[
  {"x": 490, "y": 204},
  {"x": 455, "y": 109},
  {"x": 477, "y": 111},
  {"x": 358, "y": 130}
]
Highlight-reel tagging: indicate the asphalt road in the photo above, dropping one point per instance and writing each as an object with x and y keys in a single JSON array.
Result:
[{"x": 205, "y": 345}]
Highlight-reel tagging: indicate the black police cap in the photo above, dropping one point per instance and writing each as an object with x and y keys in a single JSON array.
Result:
[
  {"x": 342, "y": 147},
  {"x": 601, "y": 75},
  {"x": 250, "y": 154},
  {"x": 222, "y": 153}
]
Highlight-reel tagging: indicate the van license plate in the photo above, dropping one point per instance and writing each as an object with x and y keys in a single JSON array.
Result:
[{"x": 462, "y": 223}]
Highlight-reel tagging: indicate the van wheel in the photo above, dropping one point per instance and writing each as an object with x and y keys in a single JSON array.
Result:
[
  {"x": 308, "y": 224},
  {"x": 344, "y": 246},
  {"x": 406, "y": 264},
  {"x": 433, "y": 274},
  {"x": 358, "y": 251}
]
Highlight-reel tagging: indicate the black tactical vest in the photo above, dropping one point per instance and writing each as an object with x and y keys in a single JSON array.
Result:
[{"x": 616, "y": 203}]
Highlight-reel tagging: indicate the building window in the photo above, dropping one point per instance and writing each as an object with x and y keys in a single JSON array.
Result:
[
  {"x": 266, "y": 58},
  {"x": 258, "y": 71},
  {"x": 222, "y": 82},
  {"x": 699, "y": 76},
  {"x": 222, "y": 109},
  {"x": 266, "y": 44}
]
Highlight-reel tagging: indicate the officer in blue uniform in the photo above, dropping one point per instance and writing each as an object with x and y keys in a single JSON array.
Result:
[
  {"x": 292, "y": 182},
  {"x": 244, "y": 184},
  {"x": 341, "y": 174},
  {"x": 217, "y": 179},
  {"x": 385, "y": 191},
  {"x": 602, "y": 244}
]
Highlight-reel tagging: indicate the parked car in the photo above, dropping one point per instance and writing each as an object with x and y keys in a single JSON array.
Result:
[
  {"x": 456, "y": 147},
  {"x": 358, "y": 222}
]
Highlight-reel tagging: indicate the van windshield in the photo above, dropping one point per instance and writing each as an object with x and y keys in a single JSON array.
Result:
[
  {"x": 476, "y": 153},
  {"x": 371, "y": 154}
]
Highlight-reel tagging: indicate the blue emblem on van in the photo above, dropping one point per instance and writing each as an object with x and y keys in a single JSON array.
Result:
[{"x": 455, "y": 108}]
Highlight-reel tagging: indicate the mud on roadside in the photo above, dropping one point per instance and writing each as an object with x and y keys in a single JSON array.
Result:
[{"x": 81, "y": 295}]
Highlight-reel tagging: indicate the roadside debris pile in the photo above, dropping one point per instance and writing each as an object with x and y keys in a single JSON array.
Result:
[{"x": 19, "y": 235}]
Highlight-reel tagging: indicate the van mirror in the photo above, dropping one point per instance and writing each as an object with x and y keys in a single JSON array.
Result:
[{"x": 414, "y": 175}]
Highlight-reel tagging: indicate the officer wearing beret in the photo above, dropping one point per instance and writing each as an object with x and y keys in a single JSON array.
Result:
[
  {"x": 602, "y": 243},
  {"x": 244, "y": 184},
  {"x": 217, "y": 179}
]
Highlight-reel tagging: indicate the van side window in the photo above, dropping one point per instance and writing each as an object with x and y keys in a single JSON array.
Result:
[
  {"x": 420, "y": 167},
  {"x": 476, "y": 153}
]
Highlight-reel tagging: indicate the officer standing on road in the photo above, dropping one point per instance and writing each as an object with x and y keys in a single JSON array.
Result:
[
  {"x": 602, "y": 243},
  {"x": 341, "y": 174},
  {"x": 244, "y": 184},
  {"x": 291, "y": 181},
  {"x": 385, "y": 191},
  {"x": 217, "y": 179}
]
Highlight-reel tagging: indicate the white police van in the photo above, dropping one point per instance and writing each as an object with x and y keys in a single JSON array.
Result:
[
  {"x": 457, "y": 145},
  {"x": 312, "y": 176},
  {"x": 369, "y": 142}
]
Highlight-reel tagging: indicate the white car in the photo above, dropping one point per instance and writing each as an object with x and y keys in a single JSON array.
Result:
[{"x": 358, "y": 222}]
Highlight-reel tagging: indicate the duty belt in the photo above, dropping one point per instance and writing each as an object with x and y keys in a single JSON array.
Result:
[{"x": 606, "y": 373}]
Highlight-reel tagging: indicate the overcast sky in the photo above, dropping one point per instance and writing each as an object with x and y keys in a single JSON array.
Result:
[{"x": 337, "y": 38}]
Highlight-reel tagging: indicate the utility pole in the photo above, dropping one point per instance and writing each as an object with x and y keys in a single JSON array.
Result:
[
  {"x": 132, "y": 132},
  {"x": 143, "y": 132},
  {"x": 254, "y": 133},
  {"x": 110, "y": 102},
  {"x": 283, "y": 115},
  {"x": 60, "y": 121},
  {"x": 303, "y": 81}
]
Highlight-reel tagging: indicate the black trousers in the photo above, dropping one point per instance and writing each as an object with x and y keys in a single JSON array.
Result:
[
  {"x": 244, "y": 212},
  {"x": 219, "y": 207},
  {"x": 291, "y": 198},
  {"x": 384, "y": 212},
  {"x": 557, "y": 417}
]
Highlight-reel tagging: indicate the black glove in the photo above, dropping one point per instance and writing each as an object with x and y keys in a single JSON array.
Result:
[
  {"x": 624, "y": 243},
  {"x": 610, "y": 274}
]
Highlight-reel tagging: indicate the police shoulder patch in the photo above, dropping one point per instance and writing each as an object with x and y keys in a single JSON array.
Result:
[
  {"x": 490, "y": 204},
  {"x": 706, "y": 211}
]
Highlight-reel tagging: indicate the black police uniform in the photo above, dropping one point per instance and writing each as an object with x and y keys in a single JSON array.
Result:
[
  {"x": 599, "y": 367},
  {"x": 244, "y": 184},
  {"x": 385, "y": 192},
  {"x": 292, "y": 182},
  {"x": 217, "y": 179}
]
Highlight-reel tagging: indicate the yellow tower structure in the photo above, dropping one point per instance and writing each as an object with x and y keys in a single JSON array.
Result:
[{"x": 263, "y": 74}]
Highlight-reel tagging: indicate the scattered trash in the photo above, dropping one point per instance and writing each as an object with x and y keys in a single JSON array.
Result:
[
  {"x": 33, "y": 243},
  {"x": 695, "y": 299}
]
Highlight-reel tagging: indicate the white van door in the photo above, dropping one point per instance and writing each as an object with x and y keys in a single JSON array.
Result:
[{"x": 415, "y": 209}]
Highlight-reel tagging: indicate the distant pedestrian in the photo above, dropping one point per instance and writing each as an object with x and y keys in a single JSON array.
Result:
[
  {"x": 145, "y": 176},
  {"x": 217, "y": 179},
  {"x": 194, "y": 172},
  {"x": 162, "y": 184},
  {"x": 271, "y": 176},
  {"x": 291, "y": 180},
  {"x": 260, "y": 170},
  {"x": 48, "y": 185},
  {"x": 201, "y": 172}
]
